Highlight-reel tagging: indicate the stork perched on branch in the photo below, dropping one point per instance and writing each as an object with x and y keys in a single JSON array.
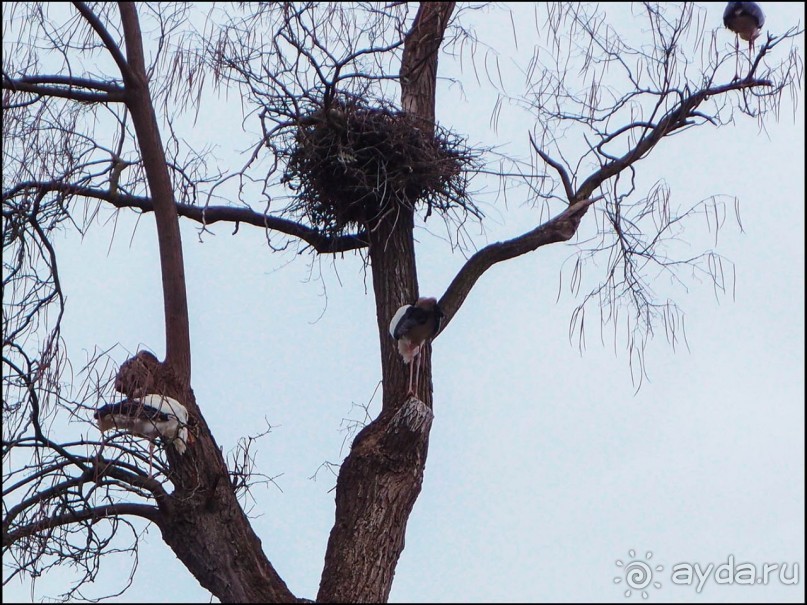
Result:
[
  {"x": 745, "y": 19},
  {"x": 151, "y": 417},
  {"x": 412, "y": 326}
]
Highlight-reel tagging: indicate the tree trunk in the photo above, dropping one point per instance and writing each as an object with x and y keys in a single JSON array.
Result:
[
  {"x": 201, "y": 520},
  {"x": 209, "y": 532},
  {"x": 381, "y": 478}
]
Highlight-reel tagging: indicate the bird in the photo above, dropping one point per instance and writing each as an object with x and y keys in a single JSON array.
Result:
[
  {"x": 413, "y": 325},
  {"x": 745, "y": 19},
  {"x": 151, "y": 416}
]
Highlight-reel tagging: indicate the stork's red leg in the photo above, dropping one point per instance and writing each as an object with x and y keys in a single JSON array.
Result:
[
  {"x": 151, "y": 456},
  {"x": 417, "y": 375}
]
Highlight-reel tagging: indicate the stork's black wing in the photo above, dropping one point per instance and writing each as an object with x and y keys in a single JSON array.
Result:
[
  {"x": 414, "y": 316},
  {"x": 728, "y": 14},
  {"x": 132, "y": 408},
  {"x": 743, "y": 10}
]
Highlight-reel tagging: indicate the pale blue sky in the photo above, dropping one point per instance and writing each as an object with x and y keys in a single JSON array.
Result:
[{"x": 545, "y": 466}]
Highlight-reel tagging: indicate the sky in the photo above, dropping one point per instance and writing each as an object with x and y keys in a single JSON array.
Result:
[{"x": 548, "y": 472}]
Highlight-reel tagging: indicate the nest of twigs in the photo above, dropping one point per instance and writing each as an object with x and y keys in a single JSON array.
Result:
[{"x": 350, "y": 165}]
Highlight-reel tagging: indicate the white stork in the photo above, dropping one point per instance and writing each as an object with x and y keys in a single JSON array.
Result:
[
  {"x": 411, "y": 326},
  {"x": 745, "y": 19},
  {"x": 151, "y": 416}
]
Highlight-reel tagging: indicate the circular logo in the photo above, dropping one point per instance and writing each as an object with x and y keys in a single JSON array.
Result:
[{"x": 637, "y": 574}]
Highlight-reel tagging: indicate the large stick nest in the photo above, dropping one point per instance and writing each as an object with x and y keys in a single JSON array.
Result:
[{"x": 350, "y": 165}]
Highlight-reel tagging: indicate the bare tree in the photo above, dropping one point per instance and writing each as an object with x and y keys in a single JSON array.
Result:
[{"x": 350, "y": 156}]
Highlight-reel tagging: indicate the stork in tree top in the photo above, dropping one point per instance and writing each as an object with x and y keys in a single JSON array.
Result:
[{"x": 745, "y": 19}]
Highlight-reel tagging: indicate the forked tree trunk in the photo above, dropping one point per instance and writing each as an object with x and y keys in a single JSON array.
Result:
[{"x": 382, "y": 477}]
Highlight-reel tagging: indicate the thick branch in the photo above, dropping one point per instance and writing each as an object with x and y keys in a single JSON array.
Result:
[
  {"x": 386, "y": 466},
  {"x": 70, "y": 82},
  {"x": 317, "y": 240},
  {"x": 177, "y": 331},
  {"x": 145, "y": 511},
  {"x": 226, "y": 557},
  {"x": 204, "y": 497},
  {"x": 67, "y": 90},
  {"x": 559, "y": 229}
]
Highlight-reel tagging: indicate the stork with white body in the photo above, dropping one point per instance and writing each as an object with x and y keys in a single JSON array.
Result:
[
  {"x": 745, "y": 19},
  {"x": 412, "y": 326},
  {"x": 151, "y": 417}
]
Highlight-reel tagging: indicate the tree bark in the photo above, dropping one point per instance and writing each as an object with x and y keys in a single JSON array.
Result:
[
  {"x": 376, "y": 490},
  {"x": 419, "y": 64}
]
